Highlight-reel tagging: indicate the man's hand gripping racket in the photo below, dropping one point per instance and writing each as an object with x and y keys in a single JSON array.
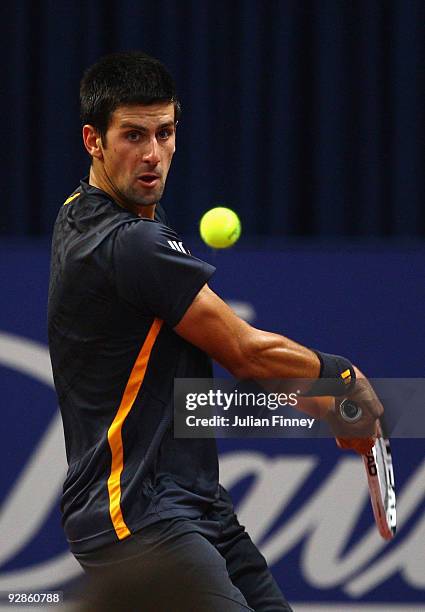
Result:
[{"x": 355, "y": 422}]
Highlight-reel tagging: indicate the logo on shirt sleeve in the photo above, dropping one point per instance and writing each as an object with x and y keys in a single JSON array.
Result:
[{"x": 178, "y": 246}]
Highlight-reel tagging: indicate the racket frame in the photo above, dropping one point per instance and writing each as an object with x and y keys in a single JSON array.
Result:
[{"x": 380, "y": 476}]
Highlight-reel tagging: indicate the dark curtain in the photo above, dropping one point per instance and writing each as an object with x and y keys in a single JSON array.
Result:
[{"x": 305, "y": 117}]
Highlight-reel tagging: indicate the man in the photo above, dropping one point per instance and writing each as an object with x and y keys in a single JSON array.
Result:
[{"x": 128, "y": 313}]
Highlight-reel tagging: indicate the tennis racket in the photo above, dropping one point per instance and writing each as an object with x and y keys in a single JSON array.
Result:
[{"x": 380, "y": 475}]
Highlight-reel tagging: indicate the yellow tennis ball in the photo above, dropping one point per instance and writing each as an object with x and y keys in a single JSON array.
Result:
[{"x": 220, "y": 227}]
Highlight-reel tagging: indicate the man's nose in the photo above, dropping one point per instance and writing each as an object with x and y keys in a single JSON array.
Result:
[{"x": 151, "y": 153}]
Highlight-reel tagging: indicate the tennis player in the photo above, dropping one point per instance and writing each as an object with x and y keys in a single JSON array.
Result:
[{"x": 129, "y": 310}]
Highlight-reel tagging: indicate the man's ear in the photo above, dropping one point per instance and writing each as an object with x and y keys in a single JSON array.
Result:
[{"x": 92, "y": 141}]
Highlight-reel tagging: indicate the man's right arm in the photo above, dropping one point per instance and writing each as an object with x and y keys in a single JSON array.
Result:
[
  {"x": 249, "y": 353},
  {"x": 246, "y": 352}
]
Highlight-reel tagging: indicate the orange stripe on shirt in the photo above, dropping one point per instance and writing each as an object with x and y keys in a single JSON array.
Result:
[{"x": 115, "y": 430}]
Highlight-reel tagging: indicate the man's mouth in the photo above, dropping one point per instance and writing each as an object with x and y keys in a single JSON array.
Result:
[{"x": 148, "y": 179}]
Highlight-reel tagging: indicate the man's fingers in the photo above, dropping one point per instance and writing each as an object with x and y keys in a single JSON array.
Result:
[
  {"x": 362, "y": 446},
  {"x": 364, "y": 427},
  {"x": 366, "y": 397}
]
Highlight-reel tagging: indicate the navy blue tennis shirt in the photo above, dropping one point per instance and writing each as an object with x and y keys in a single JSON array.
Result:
[{"x": 118, "y": 286}]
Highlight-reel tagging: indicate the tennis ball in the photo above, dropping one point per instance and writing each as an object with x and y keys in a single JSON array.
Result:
[{"x": 220, "y": 227}]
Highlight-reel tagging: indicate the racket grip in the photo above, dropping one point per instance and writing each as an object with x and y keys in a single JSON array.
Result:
[{"x": 350, "y": 411}]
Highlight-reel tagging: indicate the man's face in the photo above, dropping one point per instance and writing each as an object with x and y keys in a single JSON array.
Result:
[{"x": 139, "y": 147}]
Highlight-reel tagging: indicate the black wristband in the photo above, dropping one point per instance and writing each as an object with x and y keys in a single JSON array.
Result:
[{"x": 337, "y": 376}]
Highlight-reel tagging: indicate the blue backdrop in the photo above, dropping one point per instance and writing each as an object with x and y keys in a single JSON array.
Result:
[{"x": 305, "y": 503}]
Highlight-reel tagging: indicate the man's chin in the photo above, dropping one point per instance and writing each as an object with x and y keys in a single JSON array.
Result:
[{"x": 147, "y": 199}]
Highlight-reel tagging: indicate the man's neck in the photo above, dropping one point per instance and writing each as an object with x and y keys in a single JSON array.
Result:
[{"x": 99, "y": 180}]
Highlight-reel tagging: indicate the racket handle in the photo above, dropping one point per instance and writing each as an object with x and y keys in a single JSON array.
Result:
[{"x": 350, "y": 411}]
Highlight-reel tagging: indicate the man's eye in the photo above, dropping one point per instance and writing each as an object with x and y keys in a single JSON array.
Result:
[
  {"x": 164, "y": 134},
  {"x": 133, "y": 136}
]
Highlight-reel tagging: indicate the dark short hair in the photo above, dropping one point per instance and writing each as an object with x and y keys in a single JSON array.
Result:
[{"x": 123, "y": 79}]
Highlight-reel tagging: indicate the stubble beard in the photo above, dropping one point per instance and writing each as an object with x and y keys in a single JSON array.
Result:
[
  {"x": 133, "y": 199},
  {"x": 145, "y": 200},
  {"x": 130, "y": 197}
]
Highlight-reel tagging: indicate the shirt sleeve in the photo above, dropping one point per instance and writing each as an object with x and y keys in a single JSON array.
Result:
[{"x": 155, "y": 272}]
